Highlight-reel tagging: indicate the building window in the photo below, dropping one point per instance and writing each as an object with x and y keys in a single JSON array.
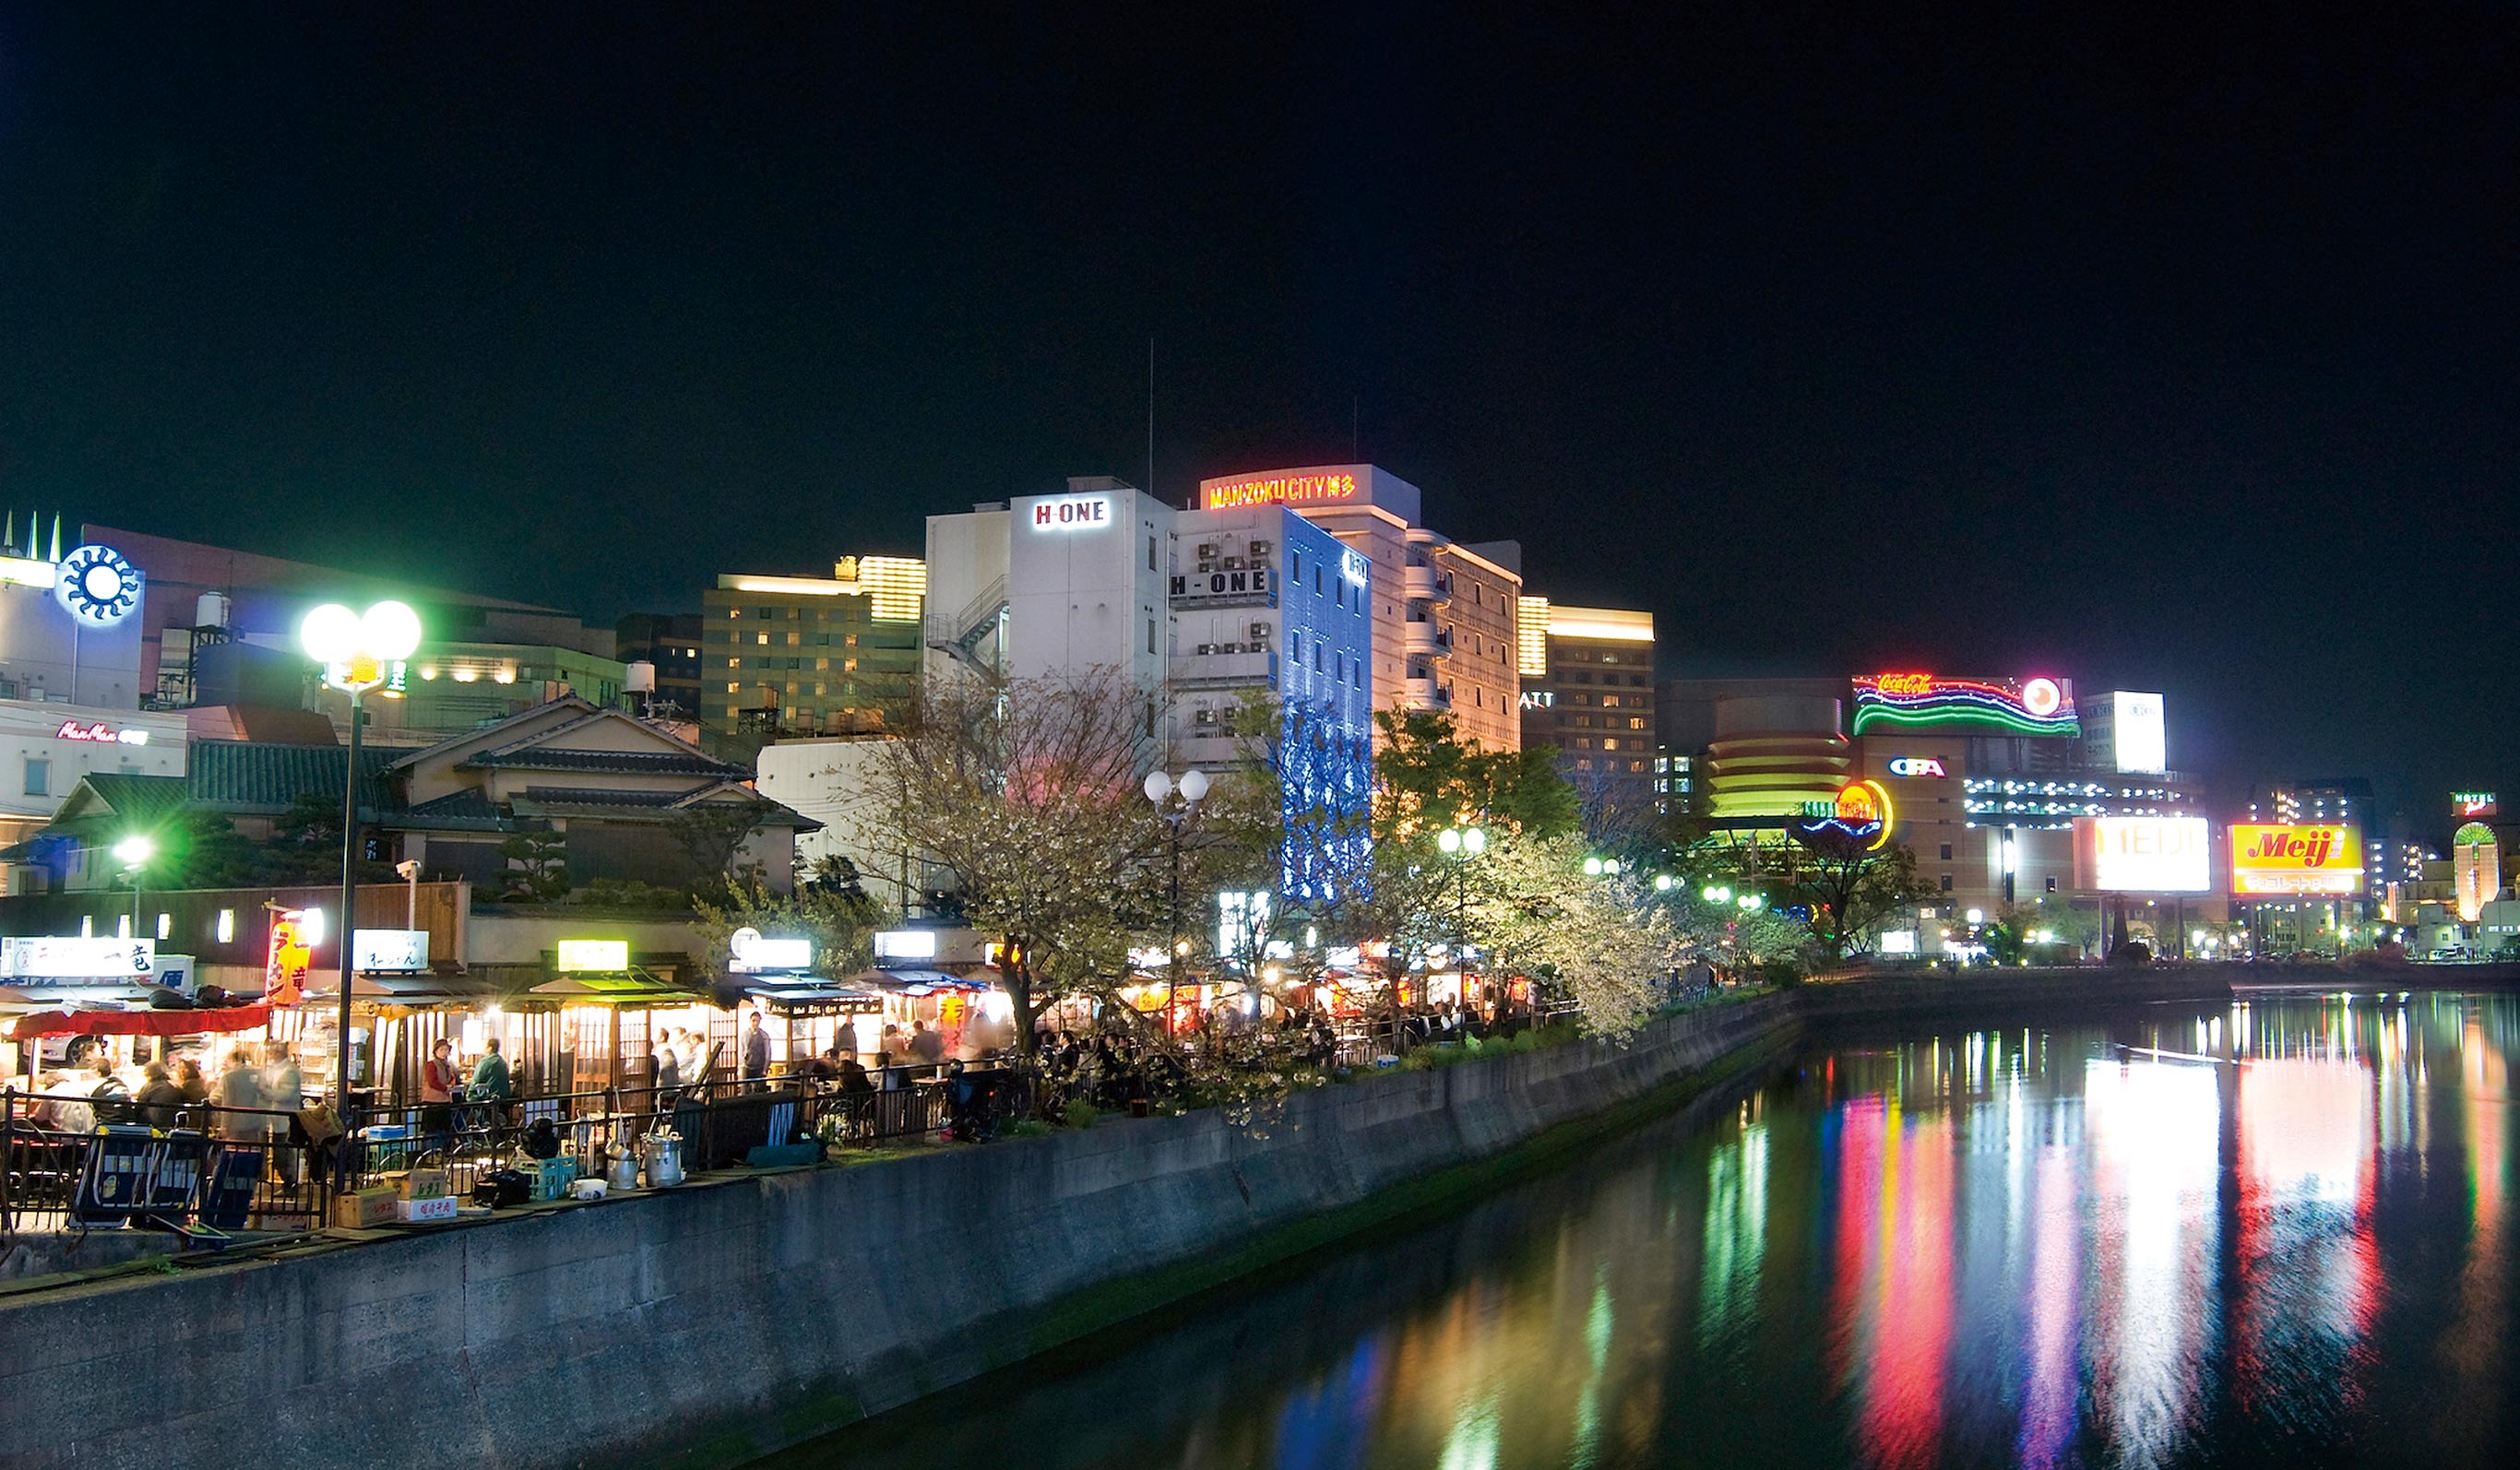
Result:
[
  {"x": 1947, "y": 851},
  {"x": 2052, "y": 885},
  {"x": 1946, "y": 882},
  {"x": 1150, "y": 566},
  {"x": 39, "y": 776},
  {"x": 1150, "y": 647}
]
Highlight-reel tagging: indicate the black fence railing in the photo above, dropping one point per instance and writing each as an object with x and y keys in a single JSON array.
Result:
[{"x": 72, "y": 1162}]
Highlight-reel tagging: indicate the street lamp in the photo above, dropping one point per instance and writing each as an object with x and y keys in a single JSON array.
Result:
[
  {"x": 1192, "y": 787},
  {"x": 1461, "y": 844},
  {"x": 359, "y": 652},
  {"x": 1662, "y": 882},
  {"x": 1716, "y": 893},
  {"x": 133, "y": 853}
]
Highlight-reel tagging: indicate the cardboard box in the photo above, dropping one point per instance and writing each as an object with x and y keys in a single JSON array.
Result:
[
  {"x": 422, "y": 1184},
  {"x": 415, "y": 1210},
  {"x": 360, "y": 1209}
]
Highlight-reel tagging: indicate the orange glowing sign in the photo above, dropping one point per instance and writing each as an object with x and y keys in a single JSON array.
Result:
[
  {"x": 1860, "y": 810},
  {"x": 1281, "y": 490},
  {"x": 284, "y": 967}
]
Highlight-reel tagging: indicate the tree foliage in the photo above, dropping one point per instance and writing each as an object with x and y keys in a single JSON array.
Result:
[
  {"x": 537, "y": 871},
  {"x": 1024, "y": 793},
  {"x": 1430, "y": 776},
  {"x": 842, "y": 924},
  {"x": 1851, "y": 887}
]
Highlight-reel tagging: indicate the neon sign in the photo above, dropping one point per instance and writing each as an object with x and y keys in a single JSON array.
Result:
[
  {"x": 1860, "y": 812},
  {"x": 2037, "y": 706},
  {"x": 2471, "y": 805},
  {"x": 1916, "y": 765},
  {"x": 98, "y": 586},
  {"x": 1539, "y": 698},
  {"x": 1279, "y": 490},
  {"x": 1074, "y": 513},
  {"x": 100, "y": 733},
  {"x": 1352, "y": 566}
]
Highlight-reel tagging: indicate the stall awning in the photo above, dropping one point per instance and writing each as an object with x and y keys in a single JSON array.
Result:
[
  {"x": 415, "y": 991},
  {"x": 803, "y": 997},
  {"x": 166, "y": 1023},
  {"x": 915, "y": 983},
  {"x": 634, "y": 987}
]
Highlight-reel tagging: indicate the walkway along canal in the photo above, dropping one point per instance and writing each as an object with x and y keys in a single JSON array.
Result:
[{"x": 750, "y": 1311}]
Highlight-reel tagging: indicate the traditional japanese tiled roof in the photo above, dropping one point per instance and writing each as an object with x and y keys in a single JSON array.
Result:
[
  {"x": 251, "y": 778},
  {"x": 636, "y": 762}
]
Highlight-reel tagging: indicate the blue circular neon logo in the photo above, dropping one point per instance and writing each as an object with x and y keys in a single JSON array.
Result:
[{"x": 98, "y": 586}]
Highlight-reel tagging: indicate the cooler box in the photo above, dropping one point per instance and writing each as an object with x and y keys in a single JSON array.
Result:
[{"x": 421, "y": 1211}]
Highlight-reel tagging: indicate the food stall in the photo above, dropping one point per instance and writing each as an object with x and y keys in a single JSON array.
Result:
[
  {"x": 612, "y": 1011},
  {"x": 805, "y": 1013}
]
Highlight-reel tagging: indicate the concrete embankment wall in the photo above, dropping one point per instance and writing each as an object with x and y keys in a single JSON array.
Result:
[{"x": 737, "y": 1315}]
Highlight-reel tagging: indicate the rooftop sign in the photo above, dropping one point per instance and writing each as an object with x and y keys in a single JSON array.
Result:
[
  {"x": 1327, "y": 487},
  {"x": 2319, "y": 858},
  {"x": 2036, "y": 707}
]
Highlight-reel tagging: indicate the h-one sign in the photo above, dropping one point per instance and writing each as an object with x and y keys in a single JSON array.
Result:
[{"x": 1072, "y": 513}]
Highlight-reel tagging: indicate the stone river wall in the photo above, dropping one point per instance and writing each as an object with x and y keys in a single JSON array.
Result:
[{"x": 748, "y": 1311}]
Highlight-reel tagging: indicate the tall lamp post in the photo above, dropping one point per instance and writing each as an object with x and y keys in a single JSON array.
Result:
[
  {"x": 1461, "y": 844},
  {"x": 134, "y": 853},
  {"x": 360, "y": 653},
  {"x": 1161, "y": 788}
]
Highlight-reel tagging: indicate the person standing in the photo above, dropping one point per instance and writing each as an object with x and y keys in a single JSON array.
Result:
[
  {"x": 756, "y": 1054},
  {"x": 669, "y": 1072},
  {"x": 924, "y": 1044},
  {"x": 437, "y": 1083},
  {"x": 188, "y": 1081}
]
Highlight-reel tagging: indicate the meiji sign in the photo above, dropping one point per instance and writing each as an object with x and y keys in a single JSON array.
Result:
[
  {"x": 2312, "y": 859},
  {"x": 2141, "y": 853},
  {"x": 1073, "y": 513}
]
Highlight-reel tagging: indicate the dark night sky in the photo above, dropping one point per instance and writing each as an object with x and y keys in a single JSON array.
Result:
[{"x": 2170, "y": 350}]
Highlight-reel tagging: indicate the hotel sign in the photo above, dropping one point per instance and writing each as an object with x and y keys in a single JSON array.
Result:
[
  {"x": 1281, "y": 490},
  {"x": 1226, "y": 584}
]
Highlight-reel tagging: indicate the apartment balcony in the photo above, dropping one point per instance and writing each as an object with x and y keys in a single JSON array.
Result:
[
  {"x": 1424, "y": 637},
  {"x": 1211, "y": 669},
  {"x": 1426, "y": 692},
  {"x": 1424, "y": 582}
]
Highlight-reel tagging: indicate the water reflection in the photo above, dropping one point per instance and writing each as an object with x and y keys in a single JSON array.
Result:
[{"x": 2257, "y": 1235}]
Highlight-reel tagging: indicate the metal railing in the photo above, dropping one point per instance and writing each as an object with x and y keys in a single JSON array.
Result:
[{"x": 281, "y": 1179}]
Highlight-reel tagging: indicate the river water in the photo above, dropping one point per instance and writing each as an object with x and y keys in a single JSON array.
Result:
[{"x": 2018, "y": 1246}]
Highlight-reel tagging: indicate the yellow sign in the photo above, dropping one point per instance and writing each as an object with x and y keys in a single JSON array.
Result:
[
  {"x": 2315, "y": 858},
  {"x": 1281, "y": 490},
  {"x": 588, "y": 957}
]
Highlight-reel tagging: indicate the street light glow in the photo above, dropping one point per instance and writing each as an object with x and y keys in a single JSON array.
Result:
[{"x": 135, "y": 851}]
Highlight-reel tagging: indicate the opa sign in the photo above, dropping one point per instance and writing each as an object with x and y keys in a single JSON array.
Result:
[
  {"x": 1915, "y": 765},
  {"x": 1073, "y": 513}
]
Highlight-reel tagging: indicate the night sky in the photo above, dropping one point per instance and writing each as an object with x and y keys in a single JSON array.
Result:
[{"x": 2168, "y": 350}]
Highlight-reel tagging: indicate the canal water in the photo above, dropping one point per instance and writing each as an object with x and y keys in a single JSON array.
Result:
[{"x": 2026, "y": 1246}]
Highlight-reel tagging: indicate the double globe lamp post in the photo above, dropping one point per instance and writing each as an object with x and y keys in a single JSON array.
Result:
[
  {"x": 1161, "y": 788},
  {"x": 358, "y": 652}
]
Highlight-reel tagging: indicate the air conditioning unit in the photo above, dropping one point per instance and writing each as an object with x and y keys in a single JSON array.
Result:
[
  {"x": 1207, "y": 566},
  {"x": 1206, "y": 549},
  {"x": 1204, "y": 717},
  {"x": 1228, "y": 647},
  {"x": 1234, "y": 563},
  {"x": 1259, "y": 550},
  {"x": 1207, "y": 647},
  {"x": 1259, "y": 633}
]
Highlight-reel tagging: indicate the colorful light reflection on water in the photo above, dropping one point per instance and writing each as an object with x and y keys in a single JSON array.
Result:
[{"x": 2029, "y": 1247}]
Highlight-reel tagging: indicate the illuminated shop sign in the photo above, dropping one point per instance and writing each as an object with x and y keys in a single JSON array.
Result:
[
  {"x": 1281, "y": 490},
  {"x": 1226, "y": 584},
  {"x": 2037, "y": 706},
  {"x": 594, "y": 956},
  {"x": 100, "y": 733},
  {"x": 1072, "y": 513},
  {"x": 749, "y": 953},
  {"x": 291, "y": 953},
  {"x": 41, "y": 957},
  {"x": 1859, "y": 811},
  {"x": 2476, "y": 869},
  {"x": 904, "y": 944},
  {"x": 1539, "y": 698},
  {"x": 2142, "y": 741},
  {"x": 1352, "y": 567},
  {"x": 2470, "y": 805},
  {"x": 98, "y": 586},
  {"x": 2313, "y": 858},
  {"x": 394, "y": 951},
  {"x": 1916, "y": 765},
  {"x": 2142, "y": 854}
]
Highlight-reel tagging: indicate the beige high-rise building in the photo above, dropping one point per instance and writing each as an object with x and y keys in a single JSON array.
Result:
[{"x": 1444, "y": 613}]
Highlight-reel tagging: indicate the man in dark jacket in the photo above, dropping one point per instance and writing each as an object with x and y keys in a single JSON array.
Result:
[
  {"x": 159, "y": 1098},
  {"x": 756, "y": 1054}
]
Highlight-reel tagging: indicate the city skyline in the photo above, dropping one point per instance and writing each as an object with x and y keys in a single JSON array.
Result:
[{"x": 2164, "y": 373}]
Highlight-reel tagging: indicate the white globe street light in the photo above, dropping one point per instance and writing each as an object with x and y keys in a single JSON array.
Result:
[
  {"x": 1193, "y": 788},
  {"x": 360, "y": 653}
]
